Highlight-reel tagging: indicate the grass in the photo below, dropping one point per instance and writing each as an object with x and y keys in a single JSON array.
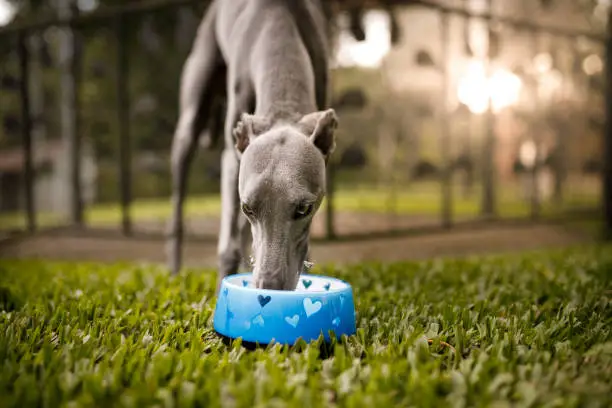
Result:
[
  {"x": 421, "y": 199},
  {"x": 528, "y": 330}
]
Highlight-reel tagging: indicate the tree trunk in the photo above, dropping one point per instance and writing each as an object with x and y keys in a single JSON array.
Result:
[{"x": 560, "y": 159}]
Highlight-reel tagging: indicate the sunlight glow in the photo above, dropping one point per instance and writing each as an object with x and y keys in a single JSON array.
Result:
[
  {"x": 528, "y": 153},
  {"x": 368, "y": 53},
  {"x": 593, "y": 64},
  {"x": 87, "y": 5},
  {"x": 6, "y": 12},
  {"x": 475, "y": 89},
  {"x": 543, "y": 63},
  {"x": 550, "y": 84}
]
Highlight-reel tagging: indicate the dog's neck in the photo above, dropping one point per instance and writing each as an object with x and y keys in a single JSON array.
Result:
[{"x": 284, "y": 80}]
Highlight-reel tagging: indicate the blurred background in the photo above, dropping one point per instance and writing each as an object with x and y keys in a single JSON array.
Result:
[{"x": 452, "y": 113}]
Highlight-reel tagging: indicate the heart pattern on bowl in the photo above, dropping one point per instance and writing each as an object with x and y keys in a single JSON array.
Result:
[
  {"x": 324, "y": 305},
  {"x": 307, "y": 283},
  {"x": 293, "y": 321},
  {"x": 258, "y": 320},
  {"x": 311, "y": 307},
  {"x": 264, "y": 300}
]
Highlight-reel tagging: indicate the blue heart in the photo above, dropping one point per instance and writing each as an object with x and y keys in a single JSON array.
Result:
[
  {"x": 264, "y": 300},
  {"x": 327, "y": 286},
  {"x": 245, "y": 283},
  {"x": 258, "y": 320},
  {"x": 312, "y": 307},
  {"x": 306, "y": 283},
  {"x": 293, "y": 321}
]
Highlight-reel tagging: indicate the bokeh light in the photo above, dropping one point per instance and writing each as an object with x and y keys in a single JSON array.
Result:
[{"x": 475, "y": 89}]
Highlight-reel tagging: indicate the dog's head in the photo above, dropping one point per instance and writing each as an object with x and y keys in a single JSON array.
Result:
[{"x": 281, "y": 186}]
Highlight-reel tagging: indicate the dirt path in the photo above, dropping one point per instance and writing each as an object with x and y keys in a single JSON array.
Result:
[{"x": 203, "y": 254}]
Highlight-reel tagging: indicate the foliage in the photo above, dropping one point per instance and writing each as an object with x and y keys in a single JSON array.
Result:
[
  {"x": 528, "y": 330},
  {"x": 158, "y": 39}
]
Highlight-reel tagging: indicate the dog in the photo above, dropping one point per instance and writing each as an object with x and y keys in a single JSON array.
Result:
[{"x": 269, "y": 61}]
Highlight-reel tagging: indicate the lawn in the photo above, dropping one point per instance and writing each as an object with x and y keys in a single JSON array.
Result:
[
  {"x": 420, "y": 199},
  {"x": 522, "y": 330}
]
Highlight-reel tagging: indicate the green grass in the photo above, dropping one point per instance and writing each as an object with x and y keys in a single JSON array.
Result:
[
  {"x": 421, "y": 199},
  {"x": 529, "y": 330}
]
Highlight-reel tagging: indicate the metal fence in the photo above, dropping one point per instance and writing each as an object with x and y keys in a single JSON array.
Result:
[{"x": 440, "y": 134}]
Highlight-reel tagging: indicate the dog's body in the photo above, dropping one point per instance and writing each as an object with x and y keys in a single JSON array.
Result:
[{"x": 269, "y": 58}]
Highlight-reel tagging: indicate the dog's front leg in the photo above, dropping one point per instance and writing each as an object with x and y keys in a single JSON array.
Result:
[
  {"x": 233, "y": 227},
  {"x": 246, "y": 241}
]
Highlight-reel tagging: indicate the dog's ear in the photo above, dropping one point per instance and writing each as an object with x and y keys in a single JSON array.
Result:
[
  {"x": 321, "y": 128},
  {"x": 247, "y": 128}
]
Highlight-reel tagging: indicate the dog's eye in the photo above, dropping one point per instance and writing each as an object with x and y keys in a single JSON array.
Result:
[
  {"x": 302, "y": 210},
  {"x": 247, "y": 210}
]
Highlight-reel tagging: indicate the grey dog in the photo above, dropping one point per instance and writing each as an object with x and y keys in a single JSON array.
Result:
[{"x": 269, "y": 59}]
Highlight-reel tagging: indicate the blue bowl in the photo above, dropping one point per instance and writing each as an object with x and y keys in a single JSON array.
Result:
[{"x": 319, "y": 305}]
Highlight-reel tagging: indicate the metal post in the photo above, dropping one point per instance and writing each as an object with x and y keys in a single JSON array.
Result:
[
  {"x": 468, "y": 181},
  {"x": 329, "y": 213},
  {"x": 488, "y": 176},
  {"x": 26, "y": 130},
  {"x": 535, "y": 170},
  {"x": 37, "y": 94},
  {"x": 69, "y": 75},
  {"x": 562, "y": 133},
  {"x": 123, "y": 106},
  {"x": 447, "y": 198},
  {"x": 607, "y": 151}
]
